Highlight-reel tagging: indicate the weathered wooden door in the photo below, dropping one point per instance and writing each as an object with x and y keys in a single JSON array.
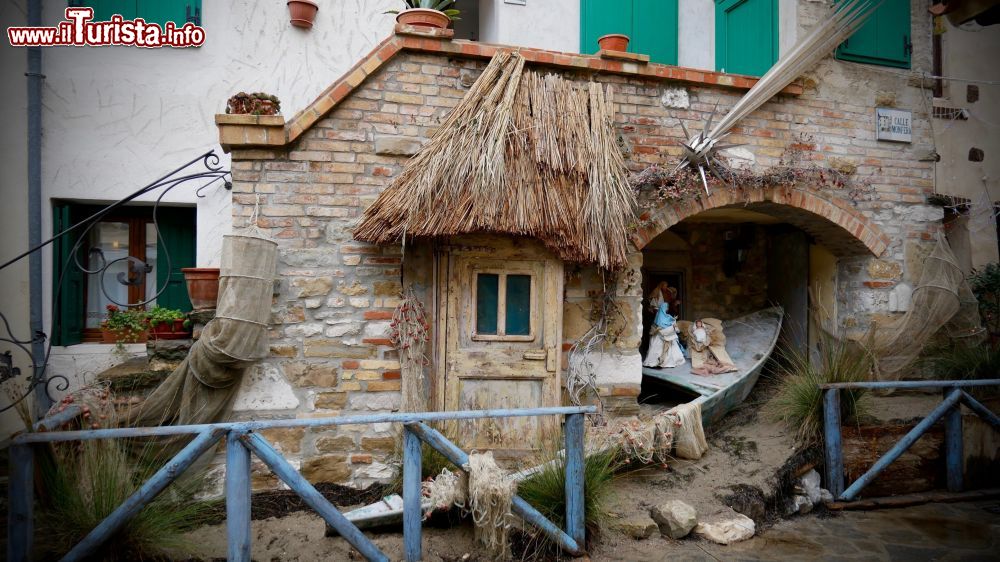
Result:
[{"x": 500, "y": 328}]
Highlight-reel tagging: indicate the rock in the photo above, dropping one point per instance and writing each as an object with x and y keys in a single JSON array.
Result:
[
  {"x": 637, "y": 526},
  {"x": 748, "y": 500},
  {"x": 725, "y": 527},
  {"x": 798, "y": 505},
  {"x": 825, "y": 496},
  {"x": 674, "y": 518},
  {"x": 809, "y": 483}
]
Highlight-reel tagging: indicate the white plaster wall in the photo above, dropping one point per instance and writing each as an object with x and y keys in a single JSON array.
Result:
[
  {"x": 117, "y": 117},
  {"x": 542, "y": 24},
  {"x": 696, "y": 34},
  {"x": 788, "y": 22},
  {"x": 965, "y": 56},
  {"x": 14, "y": 194}
]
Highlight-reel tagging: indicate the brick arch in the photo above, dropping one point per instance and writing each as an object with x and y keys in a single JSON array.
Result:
[{"x": 833, "y": 222}]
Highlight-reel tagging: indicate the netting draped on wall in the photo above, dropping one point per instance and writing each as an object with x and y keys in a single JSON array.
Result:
[
  {"x": 942, "y": 299},
  {"x": 202, "y": 388}
]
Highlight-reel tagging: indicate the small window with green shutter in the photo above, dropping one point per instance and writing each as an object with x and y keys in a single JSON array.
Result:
[
  {"x": 884, "y": 39},
  {"x": 162, "y": 248},
  {"x": 650, "y": 24},
  {"x": 504, "y": 306},
  {"x": 746, "y": 36},
  {"x": 153, "y": 11}
]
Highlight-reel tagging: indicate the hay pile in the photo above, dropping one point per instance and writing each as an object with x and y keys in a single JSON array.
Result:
[{"x": 522, "y": 154}]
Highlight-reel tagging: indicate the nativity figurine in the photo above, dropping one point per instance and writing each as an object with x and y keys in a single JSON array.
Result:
[
  {"x": 707, "y": 345},
  {"x": 664, "y": 345}
]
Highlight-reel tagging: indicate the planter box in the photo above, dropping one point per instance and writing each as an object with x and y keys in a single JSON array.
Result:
[
  {"x": 170, "y": 331},
  {"x": 123, "y": 336}
]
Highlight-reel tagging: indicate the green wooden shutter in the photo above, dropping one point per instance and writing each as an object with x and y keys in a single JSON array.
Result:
[
  {"x": 654, "y": 28},
  {"x": 153, "y": 11},
  {"x": 68, "y": 301},
  {"x": 650, "y": 24},
  {"x": 177, "y": 236},
  {"x": 746, "y": 36},
  {"x": 162, "y": 11},
  {"x": 884, "y": 39}
]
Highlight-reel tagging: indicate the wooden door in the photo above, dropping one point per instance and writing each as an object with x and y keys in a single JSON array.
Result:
[{"x": 501, "y": 340}]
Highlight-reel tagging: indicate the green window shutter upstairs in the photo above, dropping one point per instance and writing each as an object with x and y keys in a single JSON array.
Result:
[
  {"x": 153, "y": 11},
  {"x": 746, "y": 36},
  {"x": 884, "y": 39},
  {"x": 69, "y": 302},
  {"x": 650, "y": 24},
  {"x": 177, "y": 235}
]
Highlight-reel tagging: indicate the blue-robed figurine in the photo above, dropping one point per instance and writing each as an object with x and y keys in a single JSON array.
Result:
[{"x": 664, "y": 347}]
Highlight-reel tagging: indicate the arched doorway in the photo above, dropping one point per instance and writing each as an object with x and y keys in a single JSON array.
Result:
[{"x": 731, "y": 254}]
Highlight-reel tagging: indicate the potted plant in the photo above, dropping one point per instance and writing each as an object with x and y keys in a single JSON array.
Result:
[
  {"x": 125, "y": 326},
  {"x": 202, "y": 286},
  {"x": 257, "y": 103},
  {"x": 302, "y": 13},
  {"x": 429, "y": 13},
  {"x": 168, "y": 323},
  {"x": 613, "y": 42}
]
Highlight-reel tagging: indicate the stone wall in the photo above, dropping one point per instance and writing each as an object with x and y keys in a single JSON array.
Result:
[{"x": 330, "y": 353}]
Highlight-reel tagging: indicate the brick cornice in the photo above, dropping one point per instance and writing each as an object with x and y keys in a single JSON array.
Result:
[{"x": 236, "y": 134}]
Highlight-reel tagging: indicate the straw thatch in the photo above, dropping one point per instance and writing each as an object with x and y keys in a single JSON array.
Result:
[{"x": 522, "y": 154}]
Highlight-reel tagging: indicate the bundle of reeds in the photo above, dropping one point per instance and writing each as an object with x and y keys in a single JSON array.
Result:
[{"x": 523, "y": 154}]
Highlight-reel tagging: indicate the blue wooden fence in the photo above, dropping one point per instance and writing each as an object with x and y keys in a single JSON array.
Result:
[
  {"x": 950, "y": 409},
  {"x": 241, "y": 440}
]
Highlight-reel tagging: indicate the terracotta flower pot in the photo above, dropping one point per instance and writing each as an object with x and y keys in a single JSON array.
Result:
[
  {"x": 302, "y": 13},
  {"x": 424, "y": 17},
  {"x": 613, "y": 42},
  {"x": 202, "y": 286},
  {"x": 173, "y": 330}
]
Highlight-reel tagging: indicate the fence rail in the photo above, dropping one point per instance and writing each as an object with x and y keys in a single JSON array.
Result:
[
  {"x": 950, "y": 409},
  {"x": 242, "y": 440}
]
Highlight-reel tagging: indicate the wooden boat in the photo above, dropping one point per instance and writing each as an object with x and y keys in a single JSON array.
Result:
[{"x": 750, "y": 340}]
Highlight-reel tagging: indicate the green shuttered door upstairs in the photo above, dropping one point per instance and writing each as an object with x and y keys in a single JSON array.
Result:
[
  {"x": 884, "y": 39},
  {"x": 746, "y": 36},
  {"x": 650, "y": 24}
]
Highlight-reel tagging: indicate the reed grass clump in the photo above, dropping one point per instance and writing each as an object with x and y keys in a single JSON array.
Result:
[
  {"x": 84, "y": 482},
  {"x": 799, "y": 400}
]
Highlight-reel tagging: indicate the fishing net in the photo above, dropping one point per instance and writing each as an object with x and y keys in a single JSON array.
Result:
[
  {"x": 409, "y": 336},
  {"x": 202, "y": 388},
  {"x": 486, "y": 493},
  {"x": 942, "y": 299}
]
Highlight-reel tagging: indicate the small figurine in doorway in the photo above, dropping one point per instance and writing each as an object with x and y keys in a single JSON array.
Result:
[
  {"x": 707, "y": 345},
  {"x": 665, "y": 293},
  {"x": 664, "y": 347}
]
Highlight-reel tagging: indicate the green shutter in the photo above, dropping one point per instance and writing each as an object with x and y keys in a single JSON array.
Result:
[
  {"x": 884, "y": 39},
  {"x": 655, "y": 30},
  {"x": 650, "y": 24},
  {"x": 153, "y": 11},
  {"x": 67, "y": 297},
  {"x": 746, "y": 36},
  {"x": 177, "y": 236}
]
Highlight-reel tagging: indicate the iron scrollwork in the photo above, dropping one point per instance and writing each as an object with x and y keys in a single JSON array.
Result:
[{"x": 210, "y": 169}]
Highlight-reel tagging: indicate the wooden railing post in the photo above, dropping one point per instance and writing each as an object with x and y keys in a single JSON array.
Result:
[
  {"x": 20, "y": 506},
  {"x": 412, "y": 511},
  {"x": 575, "y": 506},
  {"x": 237, "y": 498},
  {"x": 953, "y": 452},
  {"x": 832, "y": 442}
]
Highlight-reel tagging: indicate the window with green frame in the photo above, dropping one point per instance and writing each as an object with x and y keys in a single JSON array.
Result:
[
  {"x": 81, "y": 298},
  {"x": 153, "y": 11},
  {"x": 746, "y": 36},
  {"x": 884, "y": 39},
  {"x": 650, "y": 24}
]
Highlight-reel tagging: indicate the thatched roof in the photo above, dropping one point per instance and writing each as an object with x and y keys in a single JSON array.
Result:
[{"x": 522, "y": 154}]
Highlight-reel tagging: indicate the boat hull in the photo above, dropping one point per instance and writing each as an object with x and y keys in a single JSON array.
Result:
[{"x": 750, "y": 341}]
